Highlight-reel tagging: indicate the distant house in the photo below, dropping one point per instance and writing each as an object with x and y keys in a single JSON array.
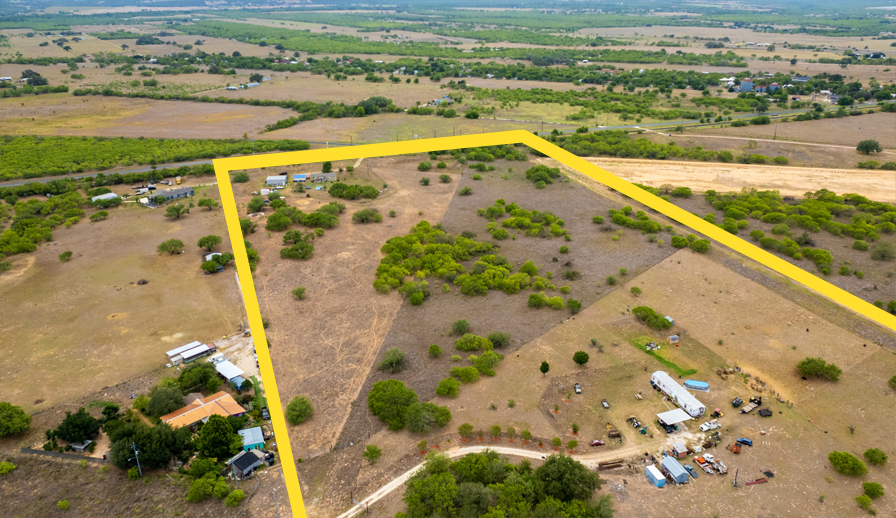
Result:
[
  {"x": 760, "y": 89},
  {"x": 276, "y": 181},
  {"x": 834, "y": 98},
  {"x": 774, "y": 86},
  {"x": 81, "y": 447},
  {"x": 199, "y": 410},
  {"x": 253, "y": 438},
  {"x": 746, "y": 85},
  {"x": 801, "y": 79},
  {"x": 299, "y": 178},
  {"x": 245, "y": 462},
  {"x": 173, "y": 194},
  {"x": 107, "y": 196},
  {"x": 231, "y": 88},
  {"x": 322, "y": 177}
]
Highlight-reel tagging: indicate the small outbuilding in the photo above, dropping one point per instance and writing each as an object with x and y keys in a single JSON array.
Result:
[
  {"x": 276, "y": 181},
  {"x": 655, "y": 476},
  {"x": 674, "y": 339},
  {"x": 245, "y": 462},
  {"x": 681, "y": 451},
  {"x": 228, "y": 370},
  {"x": 253, "y": 438},
  {"x": 81, "y": 447},
  {"x": 673, "y": 417},
  {"x": 299, "y": 178},
  {"x": 674, "y": 470}
]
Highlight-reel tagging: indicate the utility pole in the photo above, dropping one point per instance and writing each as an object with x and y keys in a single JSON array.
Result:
[
  {"x": 253, "y": 147},
  {"x": 776, "y": 132},
  {"x": 233, "y": 470},
  {"x": 137, "y": 458},
  {"x": 69, "y": 170},
  {"x": 276, "y": 506},
  {"x": 166, "y": 158},
  {"x": 735, "y": 476},
  {"x": 352, "y": 139}
]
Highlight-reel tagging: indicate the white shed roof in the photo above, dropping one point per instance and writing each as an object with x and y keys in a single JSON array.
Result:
[
  {"x": 183, "y": 348},
  {"x": 107, "y": 196},
  {"x": 673, "y": 416},
  {"x": 252, "y": 436},
  {"x": 196, "y": 351},
  {"x": 228, "y": 370},
  {"x": 276, "y": 179}
]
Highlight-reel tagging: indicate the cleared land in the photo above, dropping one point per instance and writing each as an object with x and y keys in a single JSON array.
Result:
[
  {"x": 790, "y": 181},
  {"x": 104, "y": 327}
]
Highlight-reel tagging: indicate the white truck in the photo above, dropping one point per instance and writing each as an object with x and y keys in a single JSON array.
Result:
[
  {"x": 717, "y": 464},
  {"x": 710, "y": 425}
]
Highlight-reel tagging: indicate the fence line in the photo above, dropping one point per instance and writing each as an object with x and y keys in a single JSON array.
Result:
[{"x": 59, "y": 455}]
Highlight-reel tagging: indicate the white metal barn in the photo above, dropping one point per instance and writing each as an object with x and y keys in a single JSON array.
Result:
[
  {"x": 276, "y": 181},
  {"x": 678, "y": 394}
]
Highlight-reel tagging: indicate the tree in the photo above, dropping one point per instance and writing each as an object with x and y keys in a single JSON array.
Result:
[
  {"x": 199, "y": 375},
  {"x": 846, "y": 464},
  {"x": 574, "y": 306},
  {"x": 255, "y": 78},
  {"x": 495, "y": 431},
  {"x": 444, "y": 178},
  {"x": 78, "y": 427},
  {"x": 876, "y": 457},
  {"x": 868, "y": 146},
  {"x": 571, "y": 445},
  {"x": 234, "y": 498},
  {"x": 389, "y": 400},
  {"x": 99, "y": 216},
  {"x": 327, "y": 167},
  {"x": 460, "y": 327},
  {"x": 209, "y": 242},
  {"x": 873, "y": 489},
  {"x": 164, "y": 400},
  {"x": 435, "y": 351},
  {"x": 255, "y": 204},
  {"x": 240, "y": 178},
  {"x": 700, "y": 246},
  {"x": 544, "y": 368},
  {"x": 207, "y": 486},
  {"x": 299, "y": 410},
  {"x": 208, "y": 202},
  {"x": 556, "y": 442},
  {"x": 818, "y": 367},
  {"x": 176, "y": 211},
  {"x": 580, "y": 357},
  {"x": 424, "y": 181},
  {"x": 448, "y": 387},
  {"x": 172, "y": 246},
  {"x": 635, "y": 291},
  {"x": 393, "y": 361},
  {"x": 299, "y": 293},
  {"x": 6, "y": 468},
  {"x": 883, "y": 251},
  {"x": 431, "y": 495},
  {"x": 487, "y": 361},
  {"x": 566, "y": 479},
  {"x": 217, "y": 438},
  {"x": 13, "y": 420},
  {"x": 420, "y": 417},
  {"x": 465, "y": 430},
  {"x": 372, "y": 453}
]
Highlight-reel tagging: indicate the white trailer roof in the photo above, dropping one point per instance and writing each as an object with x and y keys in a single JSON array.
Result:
[
  {"x": 657, "y": 474},
  {"x": 183, "y": 348},
  {"x": 676, "y": 392},
  {"x": 673, "y": 416},
  {"x": 228, "y": 370},
  {"x": 196, "y": 351}
]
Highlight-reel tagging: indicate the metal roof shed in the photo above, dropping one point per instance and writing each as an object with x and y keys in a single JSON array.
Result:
[
  {"x": 299, "y": 177},
  {"x": 275, "y": 180},
  {"x": 655, "y": 476},
  {"x": 673, "y": 417},
  {"x": 196, "y": 352},
  {"x": 107, "y": 196},
  {"x": 228, "y": 370},
  {"x": 253, "y": 438},
  {"x": 183, "y": 348},
  {"x": 675, "y": 470}
]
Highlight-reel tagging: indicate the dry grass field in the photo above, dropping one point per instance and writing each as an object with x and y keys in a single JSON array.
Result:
[
  {"x": 792, "y": 181},
  {"x": 104, "y": 327},
  {"x": 62, "y": 114}
]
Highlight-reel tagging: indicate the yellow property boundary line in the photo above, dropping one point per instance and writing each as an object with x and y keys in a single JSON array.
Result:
[{"x": 223, "y": 167}]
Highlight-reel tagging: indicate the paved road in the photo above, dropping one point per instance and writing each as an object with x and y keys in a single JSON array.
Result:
[{"x": 588, "y": 459}]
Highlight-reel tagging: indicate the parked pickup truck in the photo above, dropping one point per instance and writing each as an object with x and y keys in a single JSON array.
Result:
[
  {"x": 717, "y": 464},
  {"x": 703, "y": 464},
  {"x": 710, "y": 425}
]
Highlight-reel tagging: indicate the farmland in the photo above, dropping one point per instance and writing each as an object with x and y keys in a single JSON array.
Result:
[{"x": 457, "y": 300}]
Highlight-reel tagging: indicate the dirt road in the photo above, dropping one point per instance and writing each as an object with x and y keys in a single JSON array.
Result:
[{"x": 875, "y": 184}]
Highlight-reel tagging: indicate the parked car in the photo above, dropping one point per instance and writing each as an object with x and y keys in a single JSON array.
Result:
[
  {"x": 604, "y": 403},
  {"x": 664, "y": 426},
  {"x": 577, "y": 388},
  {"x": 689, "y": 469},
  {"x": 745, "y": 442},
  {"x": 737, "y": 402},
  {"x": 597, "y": 442},
  {"x": 710, "y": 425},
  {"x": 265, "y": 414}
]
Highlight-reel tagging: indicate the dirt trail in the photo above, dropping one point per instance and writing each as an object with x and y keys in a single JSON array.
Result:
[{"x": 794, "y": 181}]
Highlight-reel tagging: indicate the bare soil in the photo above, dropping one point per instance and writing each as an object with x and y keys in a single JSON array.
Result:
[{"x": 104, "y": 328}]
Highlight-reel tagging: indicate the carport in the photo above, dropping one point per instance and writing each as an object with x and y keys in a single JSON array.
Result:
[{"x": 673, "y": 417}]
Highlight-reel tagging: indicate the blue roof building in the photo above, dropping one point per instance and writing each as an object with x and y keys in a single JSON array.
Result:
[{"x": 253, "y": 438}]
